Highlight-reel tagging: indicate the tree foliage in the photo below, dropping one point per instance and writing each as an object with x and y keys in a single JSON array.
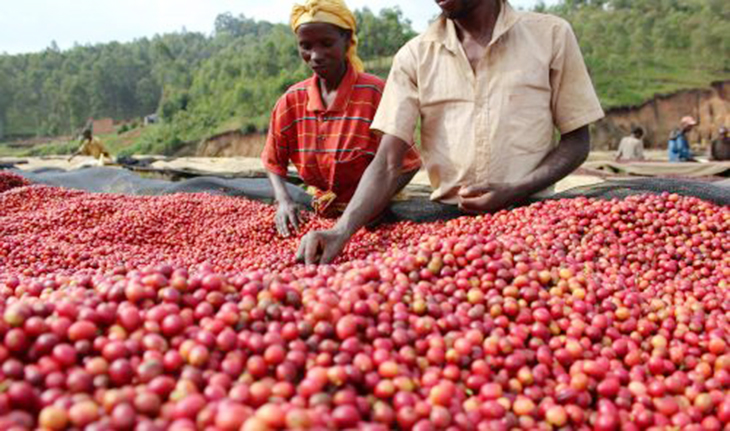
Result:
[
  {"x": 383, "y": 34},
  {"x": 196, "y": 83},
  {"x": 637, "y": 48},
  {"x": 204, "y": 84}
]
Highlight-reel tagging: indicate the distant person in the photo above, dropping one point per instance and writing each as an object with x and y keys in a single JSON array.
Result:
[
  {"x": 322, "y": 124},
  {"x": 91, "y": 146},
  {"x": 678, "y": 148},
  {"x": 631, "y": 147},
  {"x": 720, "y": 148}
]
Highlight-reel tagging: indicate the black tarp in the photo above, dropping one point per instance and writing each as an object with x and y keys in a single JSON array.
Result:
[{"x": 417, "y": 208}]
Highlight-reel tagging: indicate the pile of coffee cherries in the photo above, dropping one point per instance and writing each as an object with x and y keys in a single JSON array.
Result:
[{"x": 188, "y": 312}]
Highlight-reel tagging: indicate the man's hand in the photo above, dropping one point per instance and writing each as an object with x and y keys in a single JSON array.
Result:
[
  {"x": 487, "y": 197},
  {"x": 382, "y": 179},
  {"x": 287, "y": 213},
  {"x": 322, "y": 246}
]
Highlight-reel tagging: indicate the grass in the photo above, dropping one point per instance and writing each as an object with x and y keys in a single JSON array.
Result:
[
  {"x": 643, "y": 84},
  {"x": 7, "y": 151},
  {"x": 50, "y": 148},
  {"x": 114, "y": 142}
]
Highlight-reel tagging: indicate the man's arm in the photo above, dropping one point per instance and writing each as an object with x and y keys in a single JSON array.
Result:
[
  {"x": 381, "y": 181},
  {"x": 572, "y": 151},
  {"x": 568, "y": 156}
]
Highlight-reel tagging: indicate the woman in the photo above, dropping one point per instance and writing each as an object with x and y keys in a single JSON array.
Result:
[{"x": 322, "y": 124}]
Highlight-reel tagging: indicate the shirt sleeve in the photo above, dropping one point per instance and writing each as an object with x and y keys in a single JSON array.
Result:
[
  {"x": 574, "y": 100},
  {"x": 275, "y": 156},
  {"x": 640, "y": 150},
  {"x": 621, "y": 149},
  {"x": 399, "y": 108}
]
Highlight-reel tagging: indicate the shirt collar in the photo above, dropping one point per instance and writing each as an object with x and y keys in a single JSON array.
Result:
[
  {"x": 443, "y": 30},
  {"x": 315, "y": 102}
]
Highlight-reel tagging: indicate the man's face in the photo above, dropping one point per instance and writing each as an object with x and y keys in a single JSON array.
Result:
[
  {"x": 457, "y": 9},
  {"x": 323, "y": 47}
]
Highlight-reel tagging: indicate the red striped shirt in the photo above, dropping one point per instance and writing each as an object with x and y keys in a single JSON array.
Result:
[{"x": 330, "y": 148}]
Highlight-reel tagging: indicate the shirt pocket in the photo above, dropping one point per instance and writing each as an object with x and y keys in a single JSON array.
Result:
[{"x": 528, "y": 113}]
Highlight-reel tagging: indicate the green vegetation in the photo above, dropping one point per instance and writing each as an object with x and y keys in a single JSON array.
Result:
[
  {"x": 115, "y": 143},
  {"x": 198, "y": 85},
  {"x": 204, "y": 85},
  {"x": 636, "y": 49}
]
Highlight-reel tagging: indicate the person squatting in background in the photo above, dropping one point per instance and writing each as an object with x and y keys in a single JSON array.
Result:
[
  {"x": 678, "y": 148},
  {"x": 631, "y": 147}
]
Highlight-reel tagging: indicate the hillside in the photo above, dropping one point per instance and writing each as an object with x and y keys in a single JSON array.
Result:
[
  {"x": 204, "y": 86},
  {"x": 636, "y": 49}
]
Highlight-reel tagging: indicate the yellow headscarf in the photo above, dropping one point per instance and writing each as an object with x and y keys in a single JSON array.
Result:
[{"x": 332, "y": 12}]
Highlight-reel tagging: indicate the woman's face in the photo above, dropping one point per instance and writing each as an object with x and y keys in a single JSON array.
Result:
[{"x": 324, "y": 48}]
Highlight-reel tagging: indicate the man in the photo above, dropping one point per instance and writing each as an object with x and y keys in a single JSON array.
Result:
[
  {"x": 720, "y": 149},
  {"x": 631, "y": 147},
  {"x": 91, "y": 146},
  {"x": 489, "y": 84},
  {"x": 678, "y": 147}
]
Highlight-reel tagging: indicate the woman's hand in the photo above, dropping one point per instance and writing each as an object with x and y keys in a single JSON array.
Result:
[{"x": 288, "y": 217}]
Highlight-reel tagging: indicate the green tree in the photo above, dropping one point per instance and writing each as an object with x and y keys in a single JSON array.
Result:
[
  {"x": 382, "y": 35},
  {"x": 203, "y": 84}
]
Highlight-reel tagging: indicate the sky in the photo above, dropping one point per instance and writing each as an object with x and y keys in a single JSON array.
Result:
[{"x": 31, "y": 25}]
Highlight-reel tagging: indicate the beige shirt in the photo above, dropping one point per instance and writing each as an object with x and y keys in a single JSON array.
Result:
[
  {"x": 630, "y": 148},
  {"x": 496, "y": 124}
]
